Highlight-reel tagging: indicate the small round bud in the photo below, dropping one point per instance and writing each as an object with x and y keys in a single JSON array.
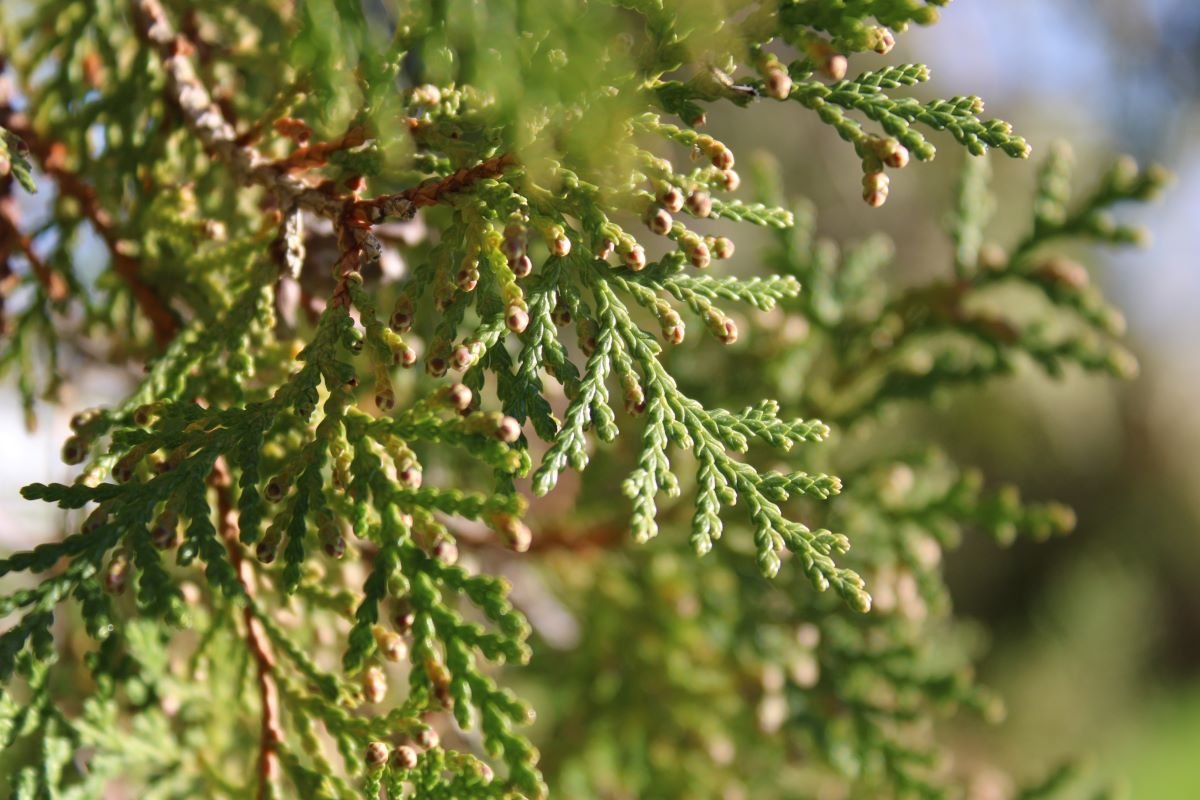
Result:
[
  {"x": 700, "y": 257},
  {"x": 671, "y": 199},
  {"x": 404, "y": 356},
  {"x": 276, "y": 489},
  {"x": 890, "y": 152},
  {"x": 992, "y": 257},
  {"x": 508, "y": 430},
  {"x": 392, "y": 645},
  {"x": 374, "y": 684},
  {"x": 778, "y": 84},
  {"x": 143, "y": 415},
  {"x": 265, "y": 551},
  {"x": 460, "y": 358},
  {"x": 459, "y": 397},
  {"x": 410, "y": 477},
  {"x": 377, "y": 755},
  {"x": 467, "y": 279},
  {"x": 722, "y": 157},
  {"x": 427, "y": 94},
  {"x": 875, "y": 188},
  {"x": 835, "y": 67},
  {"x": 606, "y": 249},
  {"x": 722, "y": 247},
  {"x": 403, "y": 619},
  {"x": 585, "y": 331},
  {"x": 1064, "y": 272},
  {"x": 401, "y": 321},
  {"x": 699, "y": 203},
  {"x": 165, "y": 533},
  {"x": 674, "y": 332},
  {"x": 514, "y": 241},
  {"x": 517, "y": 319},
  {"x": 404, "y": 757},
  {"x": 884, "y": 42},
  {"x": 385, "y": 400},
  {"x": 336, "y": 546},
  {"x": 445, "y": 551},
  {"x": 95, "y": 519},
  {"x": 83, "y": 419},
  {"x": 898, "y": 159},
  {"x": 729, "y": 331},
  {"x": 659, "y": 221},
  {"x": 560, "y": 246},
  {"x": 436, "y": 366},
  {"x": 635, "y": 259},
  {"x": 74, "y": 450},
  {"x": 122, "y": 471},
  {"x": 732, "y": 180},
  {"x": 402, "y": 314},
  {"x": 428, "y": 738},
  {"x": 332, "y": 541},
  {"x": 516, "y": 534},
  {"x": 521, "y": 266},
  {"x": 117, "y": 575}
]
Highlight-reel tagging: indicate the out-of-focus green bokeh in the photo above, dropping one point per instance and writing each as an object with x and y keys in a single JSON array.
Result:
[{"x": 1095, "y": 639}]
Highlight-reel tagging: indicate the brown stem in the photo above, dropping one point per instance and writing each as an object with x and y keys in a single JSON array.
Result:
[
  {"x": 53, "y": 284},
  {"x": 271, "y": 735},
  {"x": 51, "y": 156},
  {"x": 432, "y": 192},
  {"x": 209, "y": 123}
]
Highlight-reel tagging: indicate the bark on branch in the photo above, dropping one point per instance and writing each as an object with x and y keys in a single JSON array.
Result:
[{"x": 271, "y": 732}]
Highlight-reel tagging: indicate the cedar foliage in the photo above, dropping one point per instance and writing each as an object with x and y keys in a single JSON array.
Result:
[{"x": 394, "y": 270}]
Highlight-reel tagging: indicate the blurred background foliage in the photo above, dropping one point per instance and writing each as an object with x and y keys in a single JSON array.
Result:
[{"x": 1093, "y": 639}]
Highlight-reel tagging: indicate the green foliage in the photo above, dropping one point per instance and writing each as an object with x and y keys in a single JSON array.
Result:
[
  {"x": 264, "y": 548},
  {"x": 14, "y": 160}
]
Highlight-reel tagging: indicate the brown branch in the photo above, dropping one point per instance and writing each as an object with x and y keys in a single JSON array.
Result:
[
  {"x": 586, "y": 540},
  {"x": 54, "y": 284},
  {"x": 218, "y": 135},
  {"x": 52, "y": 158},
  {"x": 207, "y": 121},
  {"x": 434, "y": 191},
  {"x": 600, "y": 537},
  {"x": 308, "y": 156},
  {"x": 271, "y": 734},
  {"x": 11, "y": 236}
]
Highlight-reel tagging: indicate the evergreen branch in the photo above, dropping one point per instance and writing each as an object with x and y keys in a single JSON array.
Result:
[
  {"x": 207, "y": 121},
  {"x": 271, "y": 733},
  {"x": 518, "y": 164}
]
